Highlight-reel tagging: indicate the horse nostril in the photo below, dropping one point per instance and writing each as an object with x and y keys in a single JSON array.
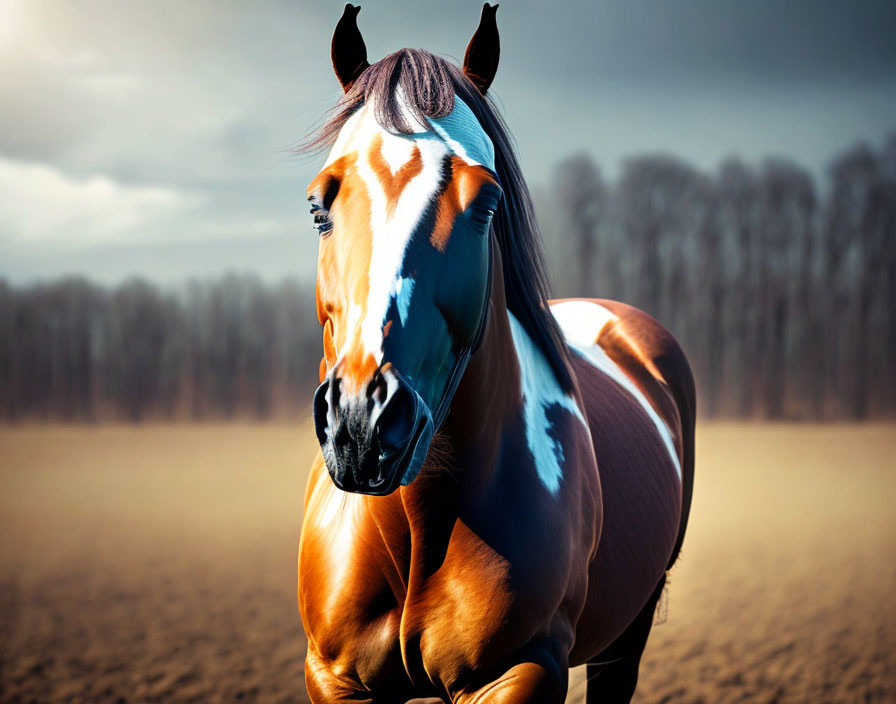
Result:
[
  {"x": 396, "y": 420},
  {"x": 328, "y": 416},
  {"x": 335, "y": 396},
  {"x": 320, "y": 411}
]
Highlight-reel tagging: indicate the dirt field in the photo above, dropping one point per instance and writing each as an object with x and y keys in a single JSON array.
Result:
[{"x": 158, "y": 565}]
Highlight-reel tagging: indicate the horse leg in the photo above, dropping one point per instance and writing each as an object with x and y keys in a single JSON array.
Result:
[{"x": 613, "y": 674}]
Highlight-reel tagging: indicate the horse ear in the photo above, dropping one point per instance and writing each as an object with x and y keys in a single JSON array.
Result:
[
  {"x": 347, "y": 50},
  {"x": 483, "y": 51}
]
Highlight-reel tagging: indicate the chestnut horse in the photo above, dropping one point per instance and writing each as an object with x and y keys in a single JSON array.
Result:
[{"x": 503, "y": 482}]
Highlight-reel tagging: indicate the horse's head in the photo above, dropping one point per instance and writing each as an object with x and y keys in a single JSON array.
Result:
[{"x": 403, "y": 206}]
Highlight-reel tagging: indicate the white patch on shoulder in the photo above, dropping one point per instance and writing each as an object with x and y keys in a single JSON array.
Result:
[
  {"x": 540, "y": 391},
  {"x": 581, "y": 327}
]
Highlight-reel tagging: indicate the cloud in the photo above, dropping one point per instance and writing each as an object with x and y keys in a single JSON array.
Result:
[
  {"x": 41, "y": 204},
  {"x": 166, "y": 124}
]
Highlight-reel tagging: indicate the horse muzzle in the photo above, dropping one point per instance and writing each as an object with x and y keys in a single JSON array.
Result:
[{"x": 374, "y": 442}]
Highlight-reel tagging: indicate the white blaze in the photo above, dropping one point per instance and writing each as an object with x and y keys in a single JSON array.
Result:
[{"x": 458, "y": 133}]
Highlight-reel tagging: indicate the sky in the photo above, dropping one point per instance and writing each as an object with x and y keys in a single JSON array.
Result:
[{"x": 155, "y": 138}]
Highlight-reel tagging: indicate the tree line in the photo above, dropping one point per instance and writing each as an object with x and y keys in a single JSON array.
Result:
[
  {"x": 780, "y": 290},
  {"x": 226, "y": 348}
]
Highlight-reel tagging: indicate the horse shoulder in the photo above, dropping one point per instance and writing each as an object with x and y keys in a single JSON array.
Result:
[
  {"x": 478, "y": 603},
  {"x": 513, "y": 577}
]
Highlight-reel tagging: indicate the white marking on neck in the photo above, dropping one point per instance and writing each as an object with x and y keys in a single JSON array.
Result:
[
  {"x": 541, "y": 391},
  {"x": 582, "y": 323}
]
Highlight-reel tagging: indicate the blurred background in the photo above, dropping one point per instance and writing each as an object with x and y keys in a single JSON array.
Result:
[{"x": 729, "y": 167}]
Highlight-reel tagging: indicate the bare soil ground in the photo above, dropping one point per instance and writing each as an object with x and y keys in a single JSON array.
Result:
[{"x": 157, "y": 564}]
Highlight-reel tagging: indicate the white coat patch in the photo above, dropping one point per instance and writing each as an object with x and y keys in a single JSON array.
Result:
[
  {"x": 581, "y": 323},
  {"x": 540, "y": 392}
]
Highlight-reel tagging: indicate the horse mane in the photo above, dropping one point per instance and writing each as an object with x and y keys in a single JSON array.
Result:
[{"x": 429, "y": 85}]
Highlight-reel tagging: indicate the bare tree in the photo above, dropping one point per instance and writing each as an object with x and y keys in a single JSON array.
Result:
[
  {"x": 736, "y": 218},
  {"x": 783, "y": 303},
  {"x": 581, "y": 196},
  {"x": 786, "y": 220},
  {"x": 859, "y": 229}
]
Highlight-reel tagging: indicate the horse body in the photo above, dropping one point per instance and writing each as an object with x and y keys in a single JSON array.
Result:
[
  {"x": 503, "y": 481},
  {"x": 444, "y": 580},
  {"x": 638, "y": 396},
  {"x": 477, "y": 574}
]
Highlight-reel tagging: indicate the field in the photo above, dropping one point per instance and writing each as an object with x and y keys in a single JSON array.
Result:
[{"x": 157, "y": 564}]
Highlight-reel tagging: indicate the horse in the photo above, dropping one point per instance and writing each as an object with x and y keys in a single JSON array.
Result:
[{"x": 503, "y": 480}]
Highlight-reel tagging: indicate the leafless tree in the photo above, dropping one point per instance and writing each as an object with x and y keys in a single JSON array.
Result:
[{"x": 782, "y": 299}]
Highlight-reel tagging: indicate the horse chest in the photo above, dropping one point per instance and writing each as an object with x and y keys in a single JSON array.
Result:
[
  {"x": 380, "y": 614},
  {"x": 395, "y": 589}
]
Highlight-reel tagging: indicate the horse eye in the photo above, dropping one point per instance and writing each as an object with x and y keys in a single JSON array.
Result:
[{"x": 322, "y": 222}]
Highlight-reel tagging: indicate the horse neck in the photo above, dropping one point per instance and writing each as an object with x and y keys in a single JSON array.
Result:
[
  {"x": 489, "y": 390},
  {"x": 464, "y": 453}
]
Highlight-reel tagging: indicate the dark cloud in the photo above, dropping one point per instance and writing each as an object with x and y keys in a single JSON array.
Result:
[
  {"x": 206, "y": 98},
  {"x": 759, "y": 40}
]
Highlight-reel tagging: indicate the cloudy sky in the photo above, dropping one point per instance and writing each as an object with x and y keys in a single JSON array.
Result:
[{"x": 153, "y": 137}]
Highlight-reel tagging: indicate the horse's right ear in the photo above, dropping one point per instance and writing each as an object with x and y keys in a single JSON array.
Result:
[
  {"x": 347, "y": 50},
  {"x": 484, "y": 50}
]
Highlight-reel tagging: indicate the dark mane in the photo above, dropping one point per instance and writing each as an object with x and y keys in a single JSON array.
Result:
[{"x": 430, "y": 84}]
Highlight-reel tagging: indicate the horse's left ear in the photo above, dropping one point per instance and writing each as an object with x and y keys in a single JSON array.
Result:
[
  {"x": 483, "y": 51},
  {"x": 348, "y": 50}
]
